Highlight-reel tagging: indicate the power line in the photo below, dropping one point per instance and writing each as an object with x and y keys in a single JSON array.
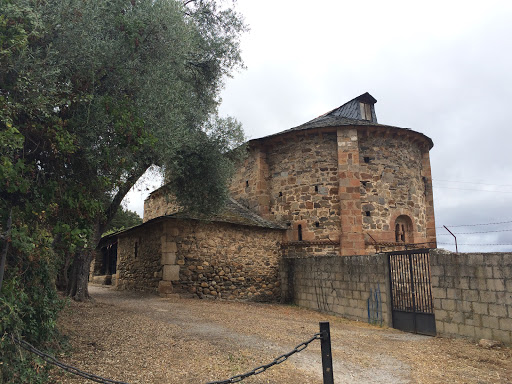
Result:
[
  {"x": 473, "y": 244},
  {"x": 471, "y": 182},
  {"x": 471, "y": 233},
  {"x": 470, "y": 189},
  {"x": 476, "y": 225}
]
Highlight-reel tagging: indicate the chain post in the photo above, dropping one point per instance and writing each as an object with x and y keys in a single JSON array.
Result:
[{"x": 325, "y": 345}]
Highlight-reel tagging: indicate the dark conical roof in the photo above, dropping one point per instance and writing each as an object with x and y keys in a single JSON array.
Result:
[{"x": 348, "y": 114}]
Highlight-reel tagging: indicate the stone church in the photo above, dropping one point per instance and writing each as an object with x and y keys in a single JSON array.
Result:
[{"x": 341, "y": 184}]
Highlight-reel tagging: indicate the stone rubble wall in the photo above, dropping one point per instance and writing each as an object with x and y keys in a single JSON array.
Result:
[
  {"x": 348, "y": 286},
  {"x": 159, "y": 204},
  {"x": 143, "y": 270},
  {"x": 249, "y": 185},
  {"x": 392, "y": 185},
  {"x": 303, "y": 184},
  {"x": 221, "y": 260},
  {"x": 473, "y": 294}
]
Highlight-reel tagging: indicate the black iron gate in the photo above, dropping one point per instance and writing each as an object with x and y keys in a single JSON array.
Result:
[{"x": 411, "y": 292}]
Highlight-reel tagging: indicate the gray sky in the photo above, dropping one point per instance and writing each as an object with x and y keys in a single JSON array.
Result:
[{"x": 442, "y": 68}]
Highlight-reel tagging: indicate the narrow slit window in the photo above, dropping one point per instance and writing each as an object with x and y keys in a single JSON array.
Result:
[
  {"x": 368, "y": 213},
  {"x": 136, "y": 249},
  {"x": 246, "y": 183},
  {"x": 366, "y": 159},
  {"x": 316, "y": 188},
  {"x": 299, "y": 232},
  {"x": 317, "y": 224}
]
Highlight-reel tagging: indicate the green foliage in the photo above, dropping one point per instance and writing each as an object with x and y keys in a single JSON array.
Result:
[
  {"x": 92, "y": 93},
  {"x": 198, "y": 174},
  {"x": 29, "y": 305},
  {"x": 123, "y": 219}
]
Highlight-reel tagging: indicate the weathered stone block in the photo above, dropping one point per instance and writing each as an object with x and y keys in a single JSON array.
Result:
[
  {"x": 439, "y": 293},
  {"x": 483, "y": 333},
  {"x": 168, "y": 258},
  {"x": 506, "y": 324},
  {"x": 448, "y": 304},
  {"x": 490, "y": 322},
  {"x": 169, "y": 246},
  {"x": 496, "y": 284},
  {"x": 165, "y": 287},
  {"x": 470, "y": 295},
  {"x": 452, "y": 293},
  {"x": 498, "y": 310},
  {"x": 467, "y": 330},
  {"x": 451, "y": 328},
  {"x": 441, "y": 315},
  {"x": 481, "y": 308},
  {"x": 171, "y": 273},
  {"x": 505, "y": 336}
]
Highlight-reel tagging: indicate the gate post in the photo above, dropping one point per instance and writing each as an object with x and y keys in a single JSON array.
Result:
[{"x": 325, "y": 345}]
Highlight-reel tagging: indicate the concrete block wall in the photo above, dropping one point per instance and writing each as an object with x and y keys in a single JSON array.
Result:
[
  {"x": 473, "y": 294},
  {"x": 340, "y": 285}
]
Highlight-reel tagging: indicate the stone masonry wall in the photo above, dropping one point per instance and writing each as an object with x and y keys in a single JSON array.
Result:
[
  {"x": 226, "y": 261},
  {"x": 473, "y": 294},
  {"x": 138, "y": 259},
  {"x": 392, "y": 185},
  {"x": 348, "y": 286},
  {"x": 249, "y": 184},
  {"x": 159, "y": 204},
  {"x": 303, "y": 186}
]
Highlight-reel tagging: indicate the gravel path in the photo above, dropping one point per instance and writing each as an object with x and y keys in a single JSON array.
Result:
[{"x": 142, "y": 338}]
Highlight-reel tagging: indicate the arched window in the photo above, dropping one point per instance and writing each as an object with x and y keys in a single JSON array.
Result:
[{"x": 403, "y": 229}]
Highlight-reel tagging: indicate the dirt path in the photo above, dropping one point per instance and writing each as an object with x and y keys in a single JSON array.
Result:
[{"x": 142, "y": 338}]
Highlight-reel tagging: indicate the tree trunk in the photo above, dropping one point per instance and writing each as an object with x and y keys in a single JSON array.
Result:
[
  {"x": 79, "y": 281},
  {"x": 82, "y": 263},
  {"x": 62, "y": 281}
]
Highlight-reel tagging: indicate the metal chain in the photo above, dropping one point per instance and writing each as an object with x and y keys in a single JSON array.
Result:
[
  {"x": 263, "y": 368},
  {"x": 68, "y": 368},
  {"x": 99, "y": 379}
]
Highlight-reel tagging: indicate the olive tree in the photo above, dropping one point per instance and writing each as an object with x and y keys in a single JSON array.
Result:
[{"x": 124, "y": 85}]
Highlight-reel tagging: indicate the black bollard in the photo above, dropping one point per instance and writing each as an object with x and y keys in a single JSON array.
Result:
[{"x": 325, "y": 345}]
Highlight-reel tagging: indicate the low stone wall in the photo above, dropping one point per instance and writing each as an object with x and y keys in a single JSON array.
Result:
[
  {"x": 354, "y": 287},
  {"x": 138, "y": 259},
  {"x": 223, "y": 260},
  {"x": 299, "y": 249},
  {"x": 473, "y": 294},
  {"x": 208, "y": 259}
]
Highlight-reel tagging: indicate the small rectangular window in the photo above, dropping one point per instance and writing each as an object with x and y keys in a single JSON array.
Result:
[{"x": 366, "y": 111}]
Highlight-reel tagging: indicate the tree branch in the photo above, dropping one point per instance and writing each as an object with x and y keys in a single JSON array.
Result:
[{"x": 121, "y": 193}]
